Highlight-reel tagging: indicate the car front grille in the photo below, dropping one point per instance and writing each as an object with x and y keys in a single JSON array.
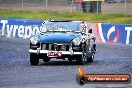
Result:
[{"x": 55, "y": 47}]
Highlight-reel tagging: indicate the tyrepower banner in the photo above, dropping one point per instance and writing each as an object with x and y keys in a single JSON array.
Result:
[
  {"x": 114, "y": 33},
  {"x": 19, "y": 27},
  {"x": 105, "y": 33}
]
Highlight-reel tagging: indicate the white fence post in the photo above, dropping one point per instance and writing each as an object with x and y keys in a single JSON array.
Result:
[
  {"x": 125, "y": 6},
  {"x": 97, "y": 7},
  {"x": 46, "y": 5},
  {"x": 72, "y": 6},
  {"x": 22, "y": 3}
]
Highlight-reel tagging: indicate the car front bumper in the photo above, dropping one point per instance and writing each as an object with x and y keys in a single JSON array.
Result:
[{"x": 46, "y": 52}]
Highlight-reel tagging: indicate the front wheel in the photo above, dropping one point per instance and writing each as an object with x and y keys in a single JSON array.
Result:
[
  {"x": 34, "y": 59},
  {"x": 79, "y": 60},
  {"x": 46, "y": 59}
]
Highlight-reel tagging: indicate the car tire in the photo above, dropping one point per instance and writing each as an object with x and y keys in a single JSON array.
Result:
[
  {"x": 46, "y": 59},
  {"x": 90, "y": 55},
  {"x": 79, "y": 60},
  {"x": 90, "y": 59},
  {"x": 34, "y": 59},
  {"x": 70, "y": 59}
]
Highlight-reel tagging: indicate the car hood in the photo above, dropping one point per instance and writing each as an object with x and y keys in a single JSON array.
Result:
[{"x": 57, "y": 37}]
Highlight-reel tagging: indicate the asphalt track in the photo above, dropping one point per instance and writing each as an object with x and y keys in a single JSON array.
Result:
[{"x": 16, "y": 71}]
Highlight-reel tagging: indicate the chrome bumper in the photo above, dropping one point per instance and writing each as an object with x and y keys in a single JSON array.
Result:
[{"x": 46, "y": 51}]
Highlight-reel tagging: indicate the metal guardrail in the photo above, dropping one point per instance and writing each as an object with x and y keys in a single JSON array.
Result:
[{"x": 122, "y": 6}]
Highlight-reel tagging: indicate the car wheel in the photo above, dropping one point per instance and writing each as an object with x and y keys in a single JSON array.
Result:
[
  {"x": 70, "y": 59},
  {"x": 80, "y": 60},
  {"x": 46, "y": 59},
  {"x": 89, "y": 54},
  {"x": 34, "y": 59},
  {"x": 90, "y": 59}
]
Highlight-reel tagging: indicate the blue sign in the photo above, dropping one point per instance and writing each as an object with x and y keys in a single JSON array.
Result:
[
  {"x": 116, "y": 33},
  {"x": 19, "y": 27}
]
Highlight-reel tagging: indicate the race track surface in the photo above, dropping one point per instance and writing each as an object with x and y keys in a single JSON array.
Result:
[{"x": 16, "y": 71}]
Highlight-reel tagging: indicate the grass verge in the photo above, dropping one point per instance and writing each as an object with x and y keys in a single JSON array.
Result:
[{"x": 44, "y": 15}]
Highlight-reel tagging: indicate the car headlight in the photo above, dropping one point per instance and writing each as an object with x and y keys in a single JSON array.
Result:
[
  {"x": 76, "y": 41},
  {"x": 34, "y": 40}
]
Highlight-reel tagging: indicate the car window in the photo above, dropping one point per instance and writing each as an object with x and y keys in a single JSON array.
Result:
[{"x": 74, "y": 26}]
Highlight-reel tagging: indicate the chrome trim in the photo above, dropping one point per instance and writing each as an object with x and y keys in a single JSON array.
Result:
[{"x": 46, "y": 51}]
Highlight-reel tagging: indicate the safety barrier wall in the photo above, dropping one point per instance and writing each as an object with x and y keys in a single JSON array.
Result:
[
  {"x": 112, "y": 33},
  {"x": 19, "y": 27},
  {"x": 105, "y": 33},
  {"x": 115, "y": 33}
]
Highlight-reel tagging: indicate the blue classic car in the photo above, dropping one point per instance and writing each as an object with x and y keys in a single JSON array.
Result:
[{"x": 61, "y": 40}]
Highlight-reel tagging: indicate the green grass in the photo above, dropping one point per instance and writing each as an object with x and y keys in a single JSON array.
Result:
[{"x": 44, "y": 15}]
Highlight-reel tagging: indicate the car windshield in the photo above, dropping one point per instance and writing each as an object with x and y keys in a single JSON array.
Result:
[{"x": 62, "y": 26}]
